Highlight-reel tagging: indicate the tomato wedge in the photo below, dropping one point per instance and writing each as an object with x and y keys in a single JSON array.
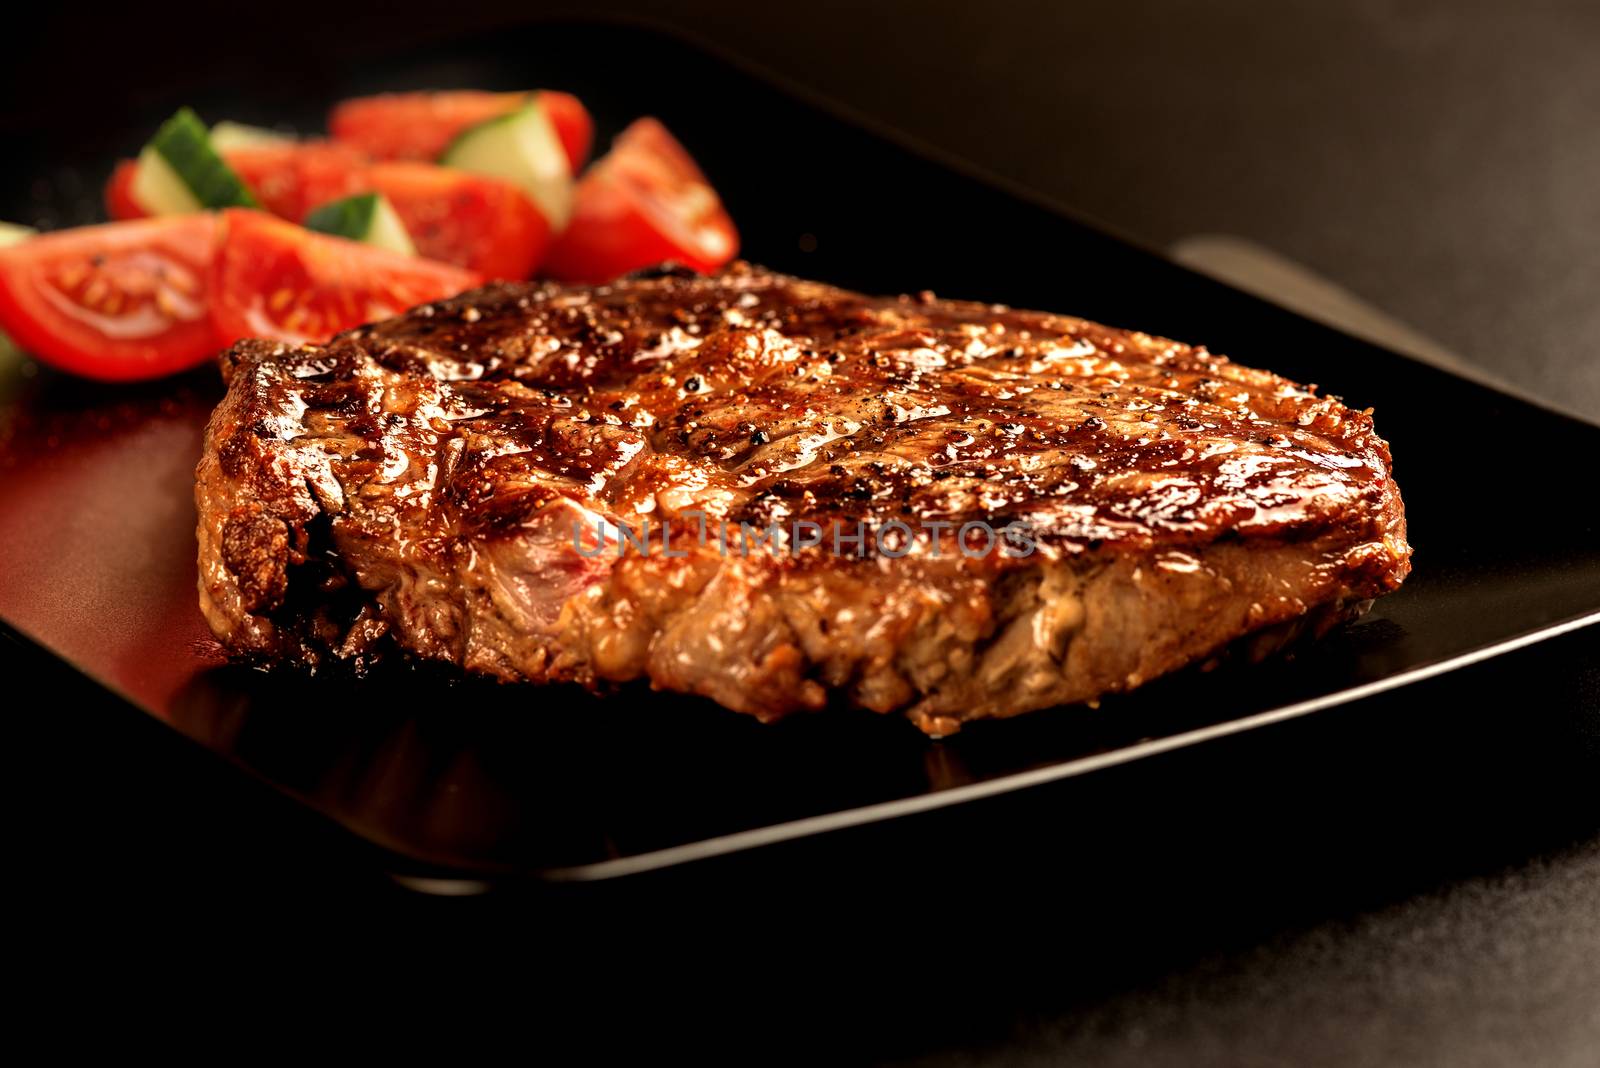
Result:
[
  {"x": 644, "y": 203},
  {"x": 420, "y": 126},
  {"x": 292, "y": 179},
  {"x": 120, "y": 204},
  {"x": 473, "y": 221},
  {"x": 277, "y": 280},
  {"x": 117, "y": 302}
]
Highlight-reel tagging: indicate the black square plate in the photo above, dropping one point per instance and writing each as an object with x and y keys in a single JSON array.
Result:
[{"x": 466, "y": 779}]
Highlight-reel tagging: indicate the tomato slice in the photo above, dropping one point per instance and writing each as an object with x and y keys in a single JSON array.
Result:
[
  {"x": 480, "y": 223},
  {"x": 644, "y": 203},
  {"x": 420, "y": 126},
  {"x": 117, "y": 302},
  {"x": 277, "y": 280},
  {"x": 120, "y": 204},
  {"x": 292, "y": 179}
]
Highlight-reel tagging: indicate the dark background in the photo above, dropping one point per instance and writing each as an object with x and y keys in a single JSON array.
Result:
[
  {"x": 1438, "y": 157},
  {"x": 1414, "y": 880}
]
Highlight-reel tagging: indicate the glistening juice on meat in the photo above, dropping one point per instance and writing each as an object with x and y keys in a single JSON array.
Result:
[{"x": 415, "y": 485}]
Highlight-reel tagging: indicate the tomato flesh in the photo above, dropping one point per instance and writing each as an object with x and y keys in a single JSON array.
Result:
[
  {"x": 276, "y": 280},
  {"x": 644, "y": 203},
  {"x": 420, "y": 126},
  {"x": 483, "y": 224},
  {"x": 291, "y": 180},
  {"x": 120, "y": 204},
  {"x": 116, "y": 302}
]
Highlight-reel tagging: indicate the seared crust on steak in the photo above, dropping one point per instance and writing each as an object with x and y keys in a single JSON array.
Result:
[{"x": 454, "y": 482}]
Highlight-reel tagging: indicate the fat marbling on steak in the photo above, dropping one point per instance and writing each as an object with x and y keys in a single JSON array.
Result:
[{"x": 471, "y": 482}]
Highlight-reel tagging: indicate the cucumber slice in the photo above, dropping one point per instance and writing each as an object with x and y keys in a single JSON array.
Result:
[
  {"x": 521, "y": 147},
  {"x": 180, "y": 172},
  {"x": 366, "y": 217},
  {"x": 159, "y": 190},
  {"x": 227, "y": 136}
]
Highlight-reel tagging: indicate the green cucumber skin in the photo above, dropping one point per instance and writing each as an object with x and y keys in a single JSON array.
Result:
[
  {"x": 184, "y": 143},
  {"x": 365, "y": 217},
  {"x": 349, "y": 218}
]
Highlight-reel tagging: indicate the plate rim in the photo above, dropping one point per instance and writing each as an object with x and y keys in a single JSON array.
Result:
[{"x": 420, "y": 873}]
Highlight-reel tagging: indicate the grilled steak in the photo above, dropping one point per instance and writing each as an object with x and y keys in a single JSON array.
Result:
[{"x": 948, "y": 509}]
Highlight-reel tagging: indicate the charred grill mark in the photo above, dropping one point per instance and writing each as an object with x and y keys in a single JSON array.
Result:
[{"x": 763, "y": 388}]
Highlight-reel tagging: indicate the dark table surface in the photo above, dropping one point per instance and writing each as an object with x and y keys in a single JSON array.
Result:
[{"x": 1413, "y": 880}]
